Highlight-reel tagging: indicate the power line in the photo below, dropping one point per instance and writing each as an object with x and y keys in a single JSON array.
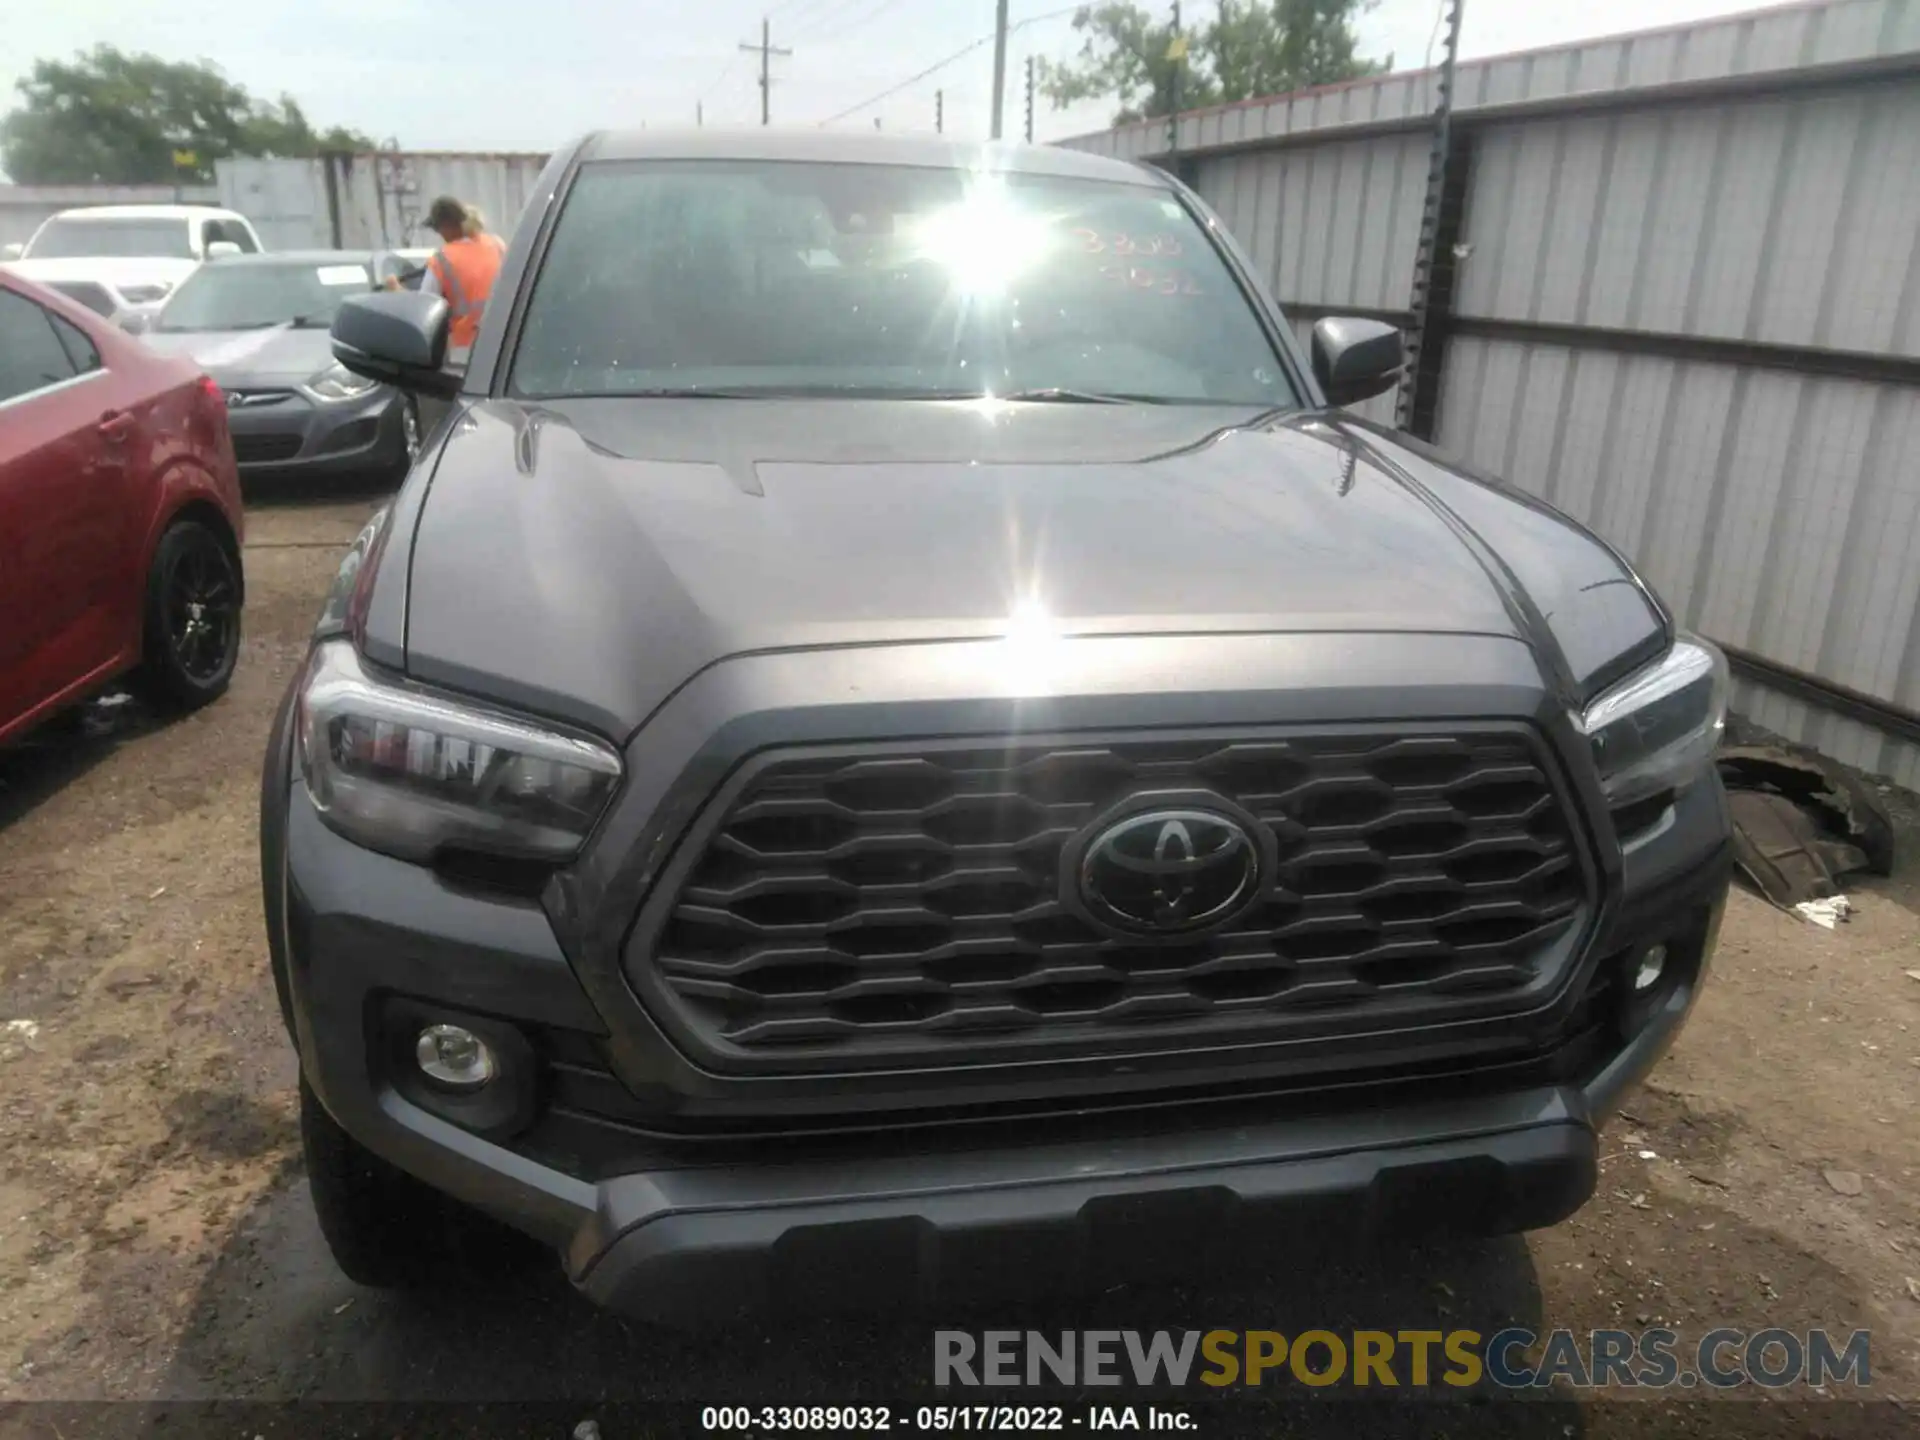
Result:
[
  {"x": 939, "y": 65},
  {"x": 866, "y": 19},
  {"x": 835, "y": 13},
  {"x": 720, "y": 79}
]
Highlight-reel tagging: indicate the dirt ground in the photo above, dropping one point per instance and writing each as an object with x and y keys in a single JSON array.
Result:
[{"x": 156, "y": 1243}]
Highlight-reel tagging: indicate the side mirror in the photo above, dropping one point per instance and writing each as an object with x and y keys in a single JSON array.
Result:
[
  {"x": 136, "y": 322},
  {"x": 220, "y": 249},
  {"x": 1356, "y": 359},
  {"x": 397, "y": 337},
  {"x": 12, "y": 250}
]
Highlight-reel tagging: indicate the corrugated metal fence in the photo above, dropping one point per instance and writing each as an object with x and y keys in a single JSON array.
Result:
[
  {"x": 371, "y": 200},
  {"x": 1685, "y": 309}
]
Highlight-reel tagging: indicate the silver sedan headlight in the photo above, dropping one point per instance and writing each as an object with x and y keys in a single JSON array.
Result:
[
  {"x": 336, "y": 383},
  {"x": 1657, "y": 729},
  {"x": 409, "y": 771}
]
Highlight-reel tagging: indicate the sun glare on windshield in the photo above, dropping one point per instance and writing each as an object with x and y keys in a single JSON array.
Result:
[{"x": 984, "y": 242}]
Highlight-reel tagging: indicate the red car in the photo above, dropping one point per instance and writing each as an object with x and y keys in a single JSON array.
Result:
[{"x": 120, "y": 516}]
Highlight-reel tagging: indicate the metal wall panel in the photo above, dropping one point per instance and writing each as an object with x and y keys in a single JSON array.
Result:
[
  {"x": 1773, "y": 510},
  {"x": 1331, "y": 224},
  {"x": 1792, "y": 220},
  {"x": 1845, "y": 740},
  {"x": 1831, "y": 33}
]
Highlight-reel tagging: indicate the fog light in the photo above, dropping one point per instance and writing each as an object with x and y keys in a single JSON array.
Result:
[
  {"x": 1653, "y": 964},
  {"x": 453, "y": 1056}
]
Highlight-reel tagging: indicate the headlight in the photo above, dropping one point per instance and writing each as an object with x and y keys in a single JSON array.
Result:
[
  {"x": 405, "y": 770},
  {"x": 336, "y": 382},
  {"x": 1657, "y": 729},
  {"x": 144, "y": 294}
]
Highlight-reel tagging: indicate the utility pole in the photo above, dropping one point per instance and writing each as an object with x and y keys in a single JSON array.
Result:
[
  {"x": 939, "y": 112},
  {"x": 700, "y": 112},
  {"x": 767, "y": 50},
  {"x": 1029, "y": 99},
  {"x": 999, "y": 65}
]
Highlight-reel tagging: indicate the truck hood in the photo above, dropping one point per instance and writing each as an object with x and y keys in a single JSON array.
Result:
[
  {"x": 249, "y": 359},
  {"x": 585, "y": 558},
  {"x": 116, "y": 274}
]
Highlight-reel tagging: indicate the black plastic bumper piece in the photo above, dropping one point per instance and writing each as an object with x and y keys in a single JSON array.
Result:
[{"x": 698, "y": 1246}]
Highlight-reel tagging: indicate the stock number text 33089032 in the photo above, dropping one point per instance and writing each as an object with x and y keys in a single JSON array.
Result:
[{"x": 924, "y": 1419}]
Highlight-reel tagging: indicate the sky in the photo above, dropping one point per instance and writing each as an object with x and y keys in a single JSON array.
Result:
[{"x": 506, "y": 75}]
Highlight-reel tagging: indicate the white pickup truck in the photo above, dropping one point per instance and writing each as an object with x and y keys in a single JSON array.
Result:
[{"x": 120, "y": 260}]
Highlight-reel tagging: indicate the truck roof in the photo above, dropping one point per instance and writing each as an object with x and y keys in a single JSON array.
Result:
[
  {"x": 148, "y": 212},
  {"x": 829, "y": 147}
]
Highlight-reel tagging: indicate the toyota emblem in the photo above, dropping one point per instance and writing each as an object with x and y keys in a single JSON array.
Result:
[{"x": 1169, "y": 872}]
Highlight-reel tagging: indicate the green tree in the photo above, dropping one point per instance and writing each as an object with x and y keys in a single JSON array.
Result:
[
  {"x": 1246, "y": 49},
  {"x": 114, "y": 118}
]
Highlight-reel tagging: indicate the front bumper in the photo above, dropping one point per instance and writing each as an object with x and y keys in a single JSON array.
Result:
[
  {"x": 290, "y": 434},
  {"x": 1014, "y": 1222},
  {"x": 677, "y": 1224}
]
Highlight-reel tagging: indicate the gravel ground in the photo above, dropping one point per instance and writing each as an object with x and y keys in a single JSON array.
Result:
[{"x": 156, "y": 1242}]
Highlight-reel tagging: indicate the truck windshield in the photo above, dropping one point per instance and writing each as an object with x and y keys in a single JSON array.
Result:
[
  {"x": 748, "y": 278},
  {"x": 250, "y": 295},
  {"x": 73, "y": 238}
]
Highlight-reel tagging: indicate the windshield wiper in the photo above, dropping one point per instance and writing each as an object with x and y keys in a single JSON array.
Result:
[
  {"x": 312, "y": 322},
  {"x": 1063, "y": 395},
  {"x": 692, "y": 392},
  {"x": 787, "y": 392}
]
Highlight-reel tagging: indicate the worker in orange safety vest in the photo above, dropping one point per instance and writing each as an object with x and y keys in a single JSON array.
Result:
[{"x": 463, "y": 269}]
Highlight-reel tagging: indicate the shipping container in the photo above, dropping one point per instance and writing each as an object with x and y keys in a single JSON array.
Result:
[{"x": 371, "y": 200}]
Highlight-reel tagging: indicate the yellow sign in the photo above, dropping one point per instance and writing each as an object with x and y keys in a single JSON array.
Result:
[
  {"x": 185, "y": 160},
  {"x": 1177, "y": 50}
]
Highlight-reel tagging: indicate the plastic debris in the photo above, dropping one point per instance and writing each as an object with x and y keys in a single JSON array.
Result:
[
  {"x": 1845, "y": 808},
  {"x": 1825, "y": 913},
  {"x": 1800, "y": 822}
]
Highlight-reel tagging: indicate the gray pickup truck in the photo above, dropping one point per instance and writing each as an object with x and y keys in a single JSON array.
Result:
[{"x": 897, "y": 739}]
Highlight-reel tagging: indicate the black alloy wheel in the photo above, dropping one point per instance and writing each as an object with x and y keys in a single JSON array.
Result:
[{"x": 193, "y": 617}]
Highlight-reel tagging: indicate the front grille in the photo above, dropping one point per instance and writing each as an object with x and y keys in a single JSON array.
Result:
[
  {"x": 261, "y": 449},
  {"x": 247, "y": 399},
  {"x": 94, "y": 297},
  {"x": 872, "y": 907}
]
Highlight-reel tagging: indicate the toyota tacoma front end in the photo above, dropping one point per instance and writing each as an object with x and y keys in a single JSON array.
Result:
[{"x": 869, "y": 841}]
